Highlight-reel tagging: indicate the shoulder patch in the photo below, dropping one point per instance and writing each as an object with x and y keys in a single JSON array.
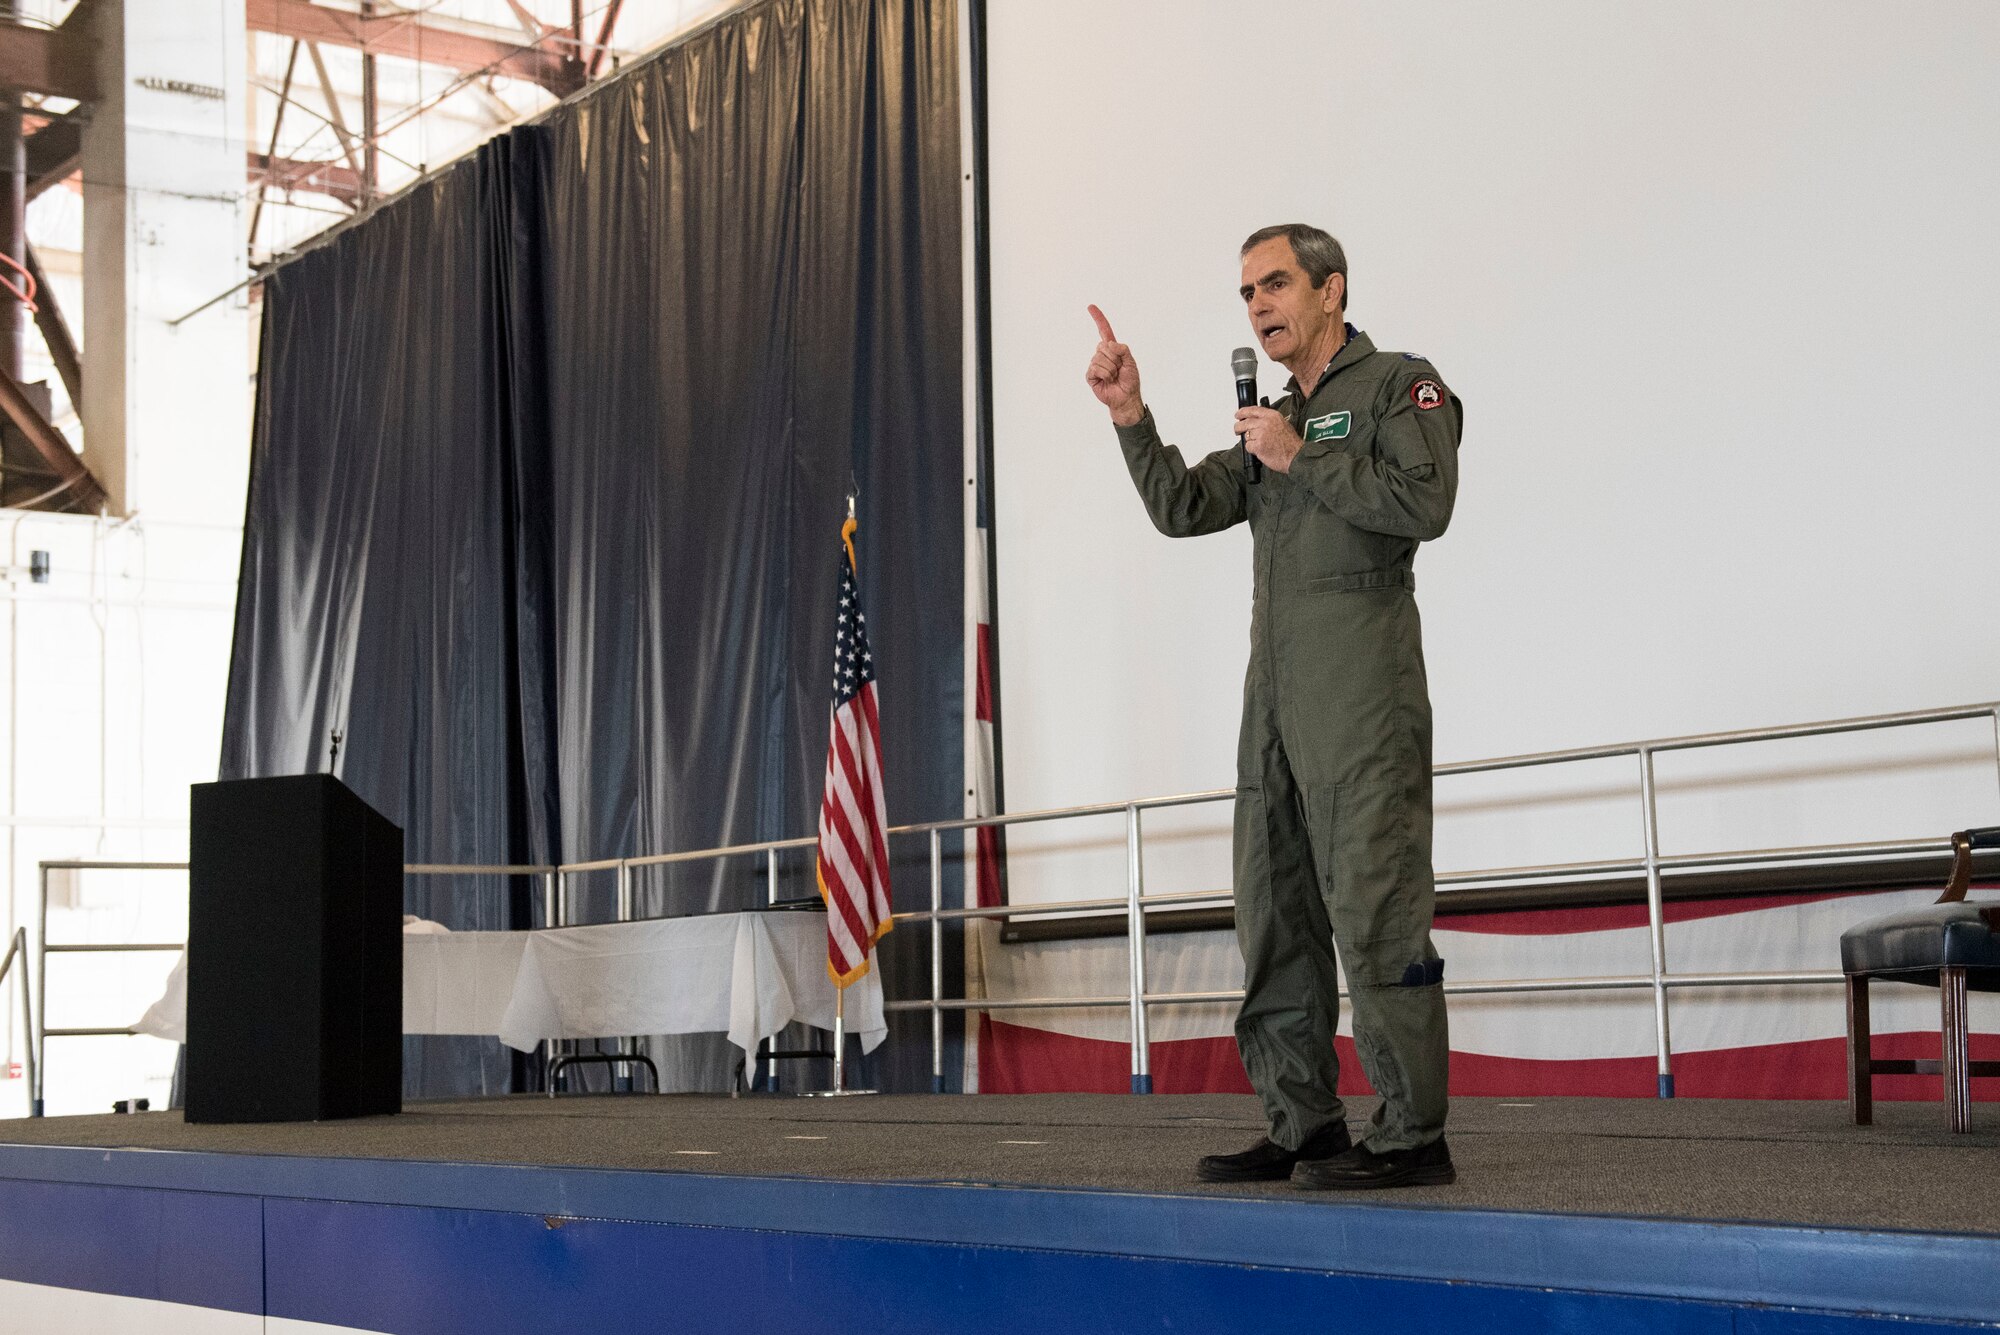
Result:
[
  {"x": 1414, "y": 357},
  {"x": 1427, "y": 394}
]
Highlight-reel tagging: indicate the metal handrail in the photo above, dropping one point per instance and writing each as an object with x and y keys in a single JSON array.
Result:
[
  {"x": 18, "y": 949},
  {"x": 1692, "y": 741},
  {"x": 41, "y": 1033},
  {"x": 1653, "y": 864},
  {"x": 1697, "y": 741},
  {"x": 1830, "y": 854},
  {"x": 1467, "y": 987}
]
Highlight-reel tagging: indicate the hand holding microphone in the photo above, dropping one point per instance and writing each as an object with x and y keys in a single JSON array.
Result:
[
  {"x": 1243, "y": 362},
  {"x": 1265, "y": 433}
]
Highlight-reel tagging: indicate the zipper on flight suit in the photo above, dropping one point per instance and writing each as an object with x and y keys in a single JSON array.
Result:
[{"x": 1294, "y": 498}]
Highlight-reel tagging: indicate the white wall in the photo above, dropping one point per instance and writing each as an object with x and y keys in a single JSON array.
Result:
[
  {"x": 165, "y": 404},
  {"x": 111, "y": 687},
  {"x": 1717, "y": 284},
  {"x": 114, "y": 671}
]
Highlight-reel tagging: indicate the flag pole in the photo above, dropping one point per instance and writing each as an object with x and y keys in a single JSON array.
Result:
[
  {"x": 840, "y": 989},
  {"x": 839, "y": 1039},
  {"x": 840, "y": 1089},
  {"x": 855, "y": 662}
]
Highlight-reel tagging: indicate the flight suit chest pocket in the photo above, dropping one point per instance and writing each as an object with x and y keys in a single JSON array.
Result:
[
  {"x": 1329, "y": 429},
  {"x": 1328, "y": 426}
]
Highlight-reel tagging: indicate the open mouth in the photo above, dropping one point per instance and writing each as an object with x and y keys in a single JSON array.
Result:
[{"x": 1270, "y": 331}]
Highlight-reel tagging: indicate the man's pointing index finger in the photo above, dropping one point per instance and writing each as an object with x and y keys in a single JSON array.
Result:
[{"x": 1103, "y": 326}]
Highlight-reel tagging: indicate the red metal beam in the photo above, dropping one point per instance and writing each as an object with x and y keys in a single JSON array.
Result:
[
  {"x": 55, "y": 176},
  {"x": 321, "y": 178},
  {"x": 80, "y": 488},
  {"x": 411, "y": 38},
  {"x": 56, "y": 333},
  {"x": 531, "y": 25},
  {"x": 56, "y": 62},
  {"x": 277, "y": 124},
  {"x": 54, "y": 149},
  {"x": 597, "y": 52}
]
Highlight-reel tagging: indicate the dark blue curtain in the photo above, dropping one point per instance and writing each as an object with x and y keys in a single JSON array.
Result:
[{"x": 550, "y": 460}]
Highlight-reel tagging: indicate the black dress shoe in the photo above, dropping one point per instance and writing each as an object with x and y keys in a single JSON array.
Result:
[
  {"x": 1267, "y": 1161},
  {"x": 1362, "y": 1169}
]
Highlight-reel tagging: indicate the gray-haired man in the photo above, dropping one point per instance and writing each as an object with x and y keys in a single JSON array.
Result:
[{"x": 1333, "y": 798}]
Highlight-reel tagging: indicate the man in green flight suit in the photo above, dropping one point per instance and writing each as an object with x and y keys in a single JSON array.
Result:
[{"x": 1359, "y": 463}]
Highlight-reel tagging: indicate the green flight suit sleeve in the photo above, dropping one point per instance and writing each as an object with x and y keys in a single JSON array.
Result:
[
  {"x": 1406, "y": 487},
  {"x": 1183, "y": 502}
]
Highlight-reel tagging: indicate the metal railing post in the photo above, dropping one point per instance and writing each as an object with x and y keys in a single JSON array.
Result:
[
  {"x": 553, "y": 1048},
  {"x": 548, "y": 899},
  {"x": 1996, "y": 741},
  {"x": 937, "y": 961},
  {"x": 770, "y": 897},
  {"x": 622, "y": 1082},
  {"x": 839, "y": 1039},
  {"x": 41, "y": 1039},
  {"x": 17, "y": 958},
  {"x": 1656, "y": 916},
  {"x": 28, "y": 1014},
  {"x": 1135, "y": 917}
]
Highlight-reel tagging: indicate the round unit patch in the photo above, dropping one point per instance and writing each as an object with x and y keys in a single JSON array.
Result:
[{"x": 1427, "y": 394}]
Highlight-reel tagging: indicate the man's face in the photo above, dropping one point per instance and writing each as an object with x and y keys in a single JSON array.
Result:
[{"x": 1287, "y": 313}]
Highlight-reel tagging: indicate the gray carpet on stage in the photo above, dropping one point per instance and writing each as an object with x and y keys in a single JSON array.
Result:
[{"x": 1686, "y": 1158}]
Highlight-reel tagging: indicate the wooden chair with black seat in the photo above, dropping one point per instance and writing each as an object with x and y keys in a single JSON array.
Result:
[{"x": 1951, "y": 945}]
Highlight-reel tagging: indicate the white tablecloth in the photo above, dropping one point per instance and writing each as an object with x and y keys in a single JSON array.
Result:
[
  {"x": 747, "y": 975},
  {"x": 459, "y": 982}
]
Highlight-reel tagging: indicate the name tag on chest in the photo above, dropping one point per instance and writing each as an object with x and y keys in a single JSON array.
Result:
[{"x": 1331, "y": 426}]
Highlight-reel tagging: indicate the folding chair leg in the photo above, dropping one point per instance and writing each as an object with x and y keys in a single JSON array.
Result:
[
  {"x": 1957, "y": 1044},
  {"x": 1860, "y": 1083}
]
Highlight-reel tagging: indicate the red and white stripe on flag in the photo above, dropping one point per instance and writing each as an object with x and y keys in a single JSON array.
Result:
[{"x": 853, "y": 819}]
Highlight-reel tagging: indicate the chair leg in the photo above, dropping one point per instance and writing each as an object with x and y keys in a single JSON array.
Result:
[
  {"x": 1957, "y": 1042},
  {"x": 1860, "y": 1083}
]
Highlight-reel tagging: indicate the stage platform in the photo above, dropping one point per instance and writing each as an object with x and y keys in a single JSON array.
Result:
[{"x": 1049, "y": 1212}]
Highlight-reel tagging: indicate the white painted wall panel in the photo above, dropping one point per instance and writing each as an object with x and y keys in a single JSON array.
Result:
[{"x": 1716, "y": 283}]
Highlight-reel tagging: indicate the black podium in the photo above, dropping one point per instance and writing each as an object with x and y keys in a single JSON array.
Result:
[{"x": 295, "y": 953}]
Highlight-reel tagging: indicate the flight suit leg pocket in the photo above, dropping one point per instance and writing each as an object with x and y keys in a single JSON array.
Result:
[
  {"x": 1274, "y": 885},
  {"x": 1256, "y": 934},
  {"x": 1251, "y": 848},
  {"x": 1376, "y": 889}
]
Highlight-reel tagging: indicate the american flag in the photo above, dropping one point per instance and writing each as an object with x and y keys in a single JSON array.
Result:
[{"x": 853, "y": 855}]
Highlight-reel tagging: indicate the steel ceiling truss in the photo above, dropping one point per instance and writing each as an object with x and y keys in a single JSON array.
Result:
[
  {"x": 556, "y": 59},
  {"x": 36, "y": 64},
  {"x": 55, "y": 62},
  {"x": 559, "y": 59},
  {"x": 43, "y": 63}
]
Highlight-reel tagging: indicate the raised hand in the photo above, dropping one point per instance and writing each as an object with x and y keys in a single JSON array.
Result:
[{"x": 1114, "y": 375}]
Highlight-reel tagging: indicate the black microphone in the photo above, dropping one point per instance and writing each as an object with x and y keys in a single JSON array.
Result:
[{"x": 1243, "y": 361}]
